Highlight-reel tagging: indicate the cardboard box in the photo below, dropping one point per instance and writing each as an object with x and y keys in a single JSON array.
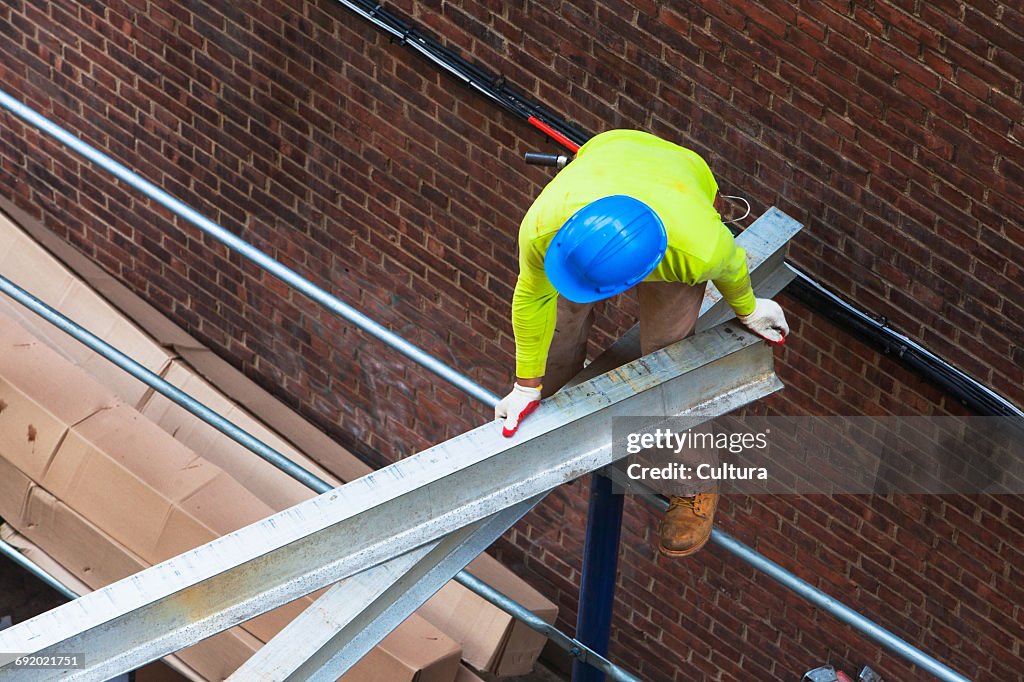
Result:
[
  {"x": 83, "y": 305},
  {"x": 35, "y": 269},
  {"x": 98, "y": 560},
  {"x": 415, "y": 651},
  {"x": 159, "y": 671},
  {"x": 268, "y": 483},
  {"x": 8, "y": 233},
  {"x": 15, "y": 488},
  {"x": 127, "y": 476},
  {"x": 75, "y": 543},
  {"x": 292, "y": 426},
  {"x": 492, "y": 640},
  {"x": 115, "y": 458},
  {"x": 134, "y": 481},
  {"x": 35, "y": 554},
  {"x": 467, "y": 675},
  {"x": 30, "y": 266},
  {"x": 492, "y": 646},
  {"x": 153, "y": 495},
  {"x": 29, "y": 432},
  {"x": 137, "y": 483},
  {"x": 47, "y": 280},
  {"x": 36, "y": 407}
]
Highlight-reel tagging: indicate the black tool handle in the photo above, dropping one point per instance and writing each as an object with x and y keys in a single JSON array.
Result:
[{"x": 541, "y": 159}]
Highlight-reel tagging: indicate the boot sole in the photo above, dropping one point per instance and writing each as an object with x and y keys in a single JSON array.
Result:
[{"x": 677, "y": 553}]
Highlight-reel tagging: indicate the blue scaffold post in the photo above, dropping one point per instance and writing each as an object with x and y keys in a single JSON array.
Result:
[{"x": 600, "y": 567}]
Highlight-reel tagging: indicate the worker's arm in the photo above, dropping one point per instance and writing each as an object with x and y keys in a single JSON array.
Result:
[
  {"x": 762, "y": 316},
  {"x": 534, "y": 305},
  {"x": 534, "y": 309},
  {"x": 728, "y": 270}
]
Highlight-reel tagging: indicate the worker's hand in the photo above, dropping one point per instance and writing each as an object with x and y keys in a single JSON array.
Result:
[
  {"x": 767, "y": 321},
  {"x": 515, "y": 406}
]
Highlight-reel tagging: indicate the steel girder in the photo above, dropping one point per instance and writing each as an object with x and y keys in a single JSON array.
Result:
[
  {"x": 765, "y": 243},
  {"x": 388, "y": 513}
]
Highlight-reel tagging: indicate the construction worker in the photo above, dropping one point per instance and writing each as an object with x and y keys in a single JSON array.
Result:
[{"x": 631, "y": 209}]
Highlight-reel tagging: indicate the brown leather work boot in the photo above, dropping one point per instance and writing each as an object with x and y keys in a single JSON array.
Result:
[{"x": 686, "y": 525}]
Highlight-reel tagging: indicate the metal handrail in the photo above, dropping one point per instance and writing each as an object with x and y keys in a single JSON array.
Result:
[
  {"x": 248, "y": 251},
  {"x": 12, "y": 553},
  {"x": 841, "y": 611}
]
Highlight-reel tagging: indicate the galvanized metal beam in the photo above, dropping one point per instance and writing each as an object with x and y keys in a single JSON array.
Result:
[
  {"x": 765, "y": 243},
  {"x": 316, "y": 637},
  {"x": 389, "y": 512},
  {"x": 341, "y": 627}
]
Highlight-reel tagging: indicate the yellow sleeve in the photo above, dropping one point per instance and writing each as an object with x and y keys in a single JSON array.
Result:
[
  {"x": 730, "y": 274},
  {"x": 534, "y": 309}
]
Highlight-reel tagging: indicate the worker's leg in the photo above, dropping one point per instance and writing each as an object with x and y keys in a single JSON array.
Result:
[
  {"x": 668, "y": 313},
  {"x": 568, "y": 345}
]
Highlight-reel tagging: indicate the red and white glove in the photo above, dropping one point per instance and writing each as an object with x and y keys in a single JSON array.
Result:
[
  {"x": 515, "y": 406},
  {"x": 767, "y": 321}
]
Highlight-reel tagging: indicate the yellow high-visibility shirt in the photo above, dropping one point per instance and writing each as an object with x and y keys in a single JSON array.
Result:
[{"x": 674, "y": 181}]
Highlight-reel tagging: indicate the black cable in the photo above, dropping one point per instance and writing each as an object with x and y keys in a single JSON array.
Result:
[
  {"x": 493, "y": 87},
  {"x": 968, "y": 391}
]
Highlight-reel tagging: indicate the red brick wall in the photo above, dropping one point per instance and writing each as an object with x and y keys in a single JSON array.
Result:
[{"x": 892, "y": 133}]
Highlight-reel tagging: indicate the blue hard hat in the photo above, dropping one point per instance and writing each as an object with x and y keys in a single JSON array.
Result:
[{"x": 605, "y": 248}]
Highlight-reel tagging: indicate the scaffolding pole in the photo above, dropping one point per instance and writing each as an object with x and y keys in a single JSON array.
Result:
[
  {"x": 248, "y": 251},
  {"x": 12, "y": 553}
]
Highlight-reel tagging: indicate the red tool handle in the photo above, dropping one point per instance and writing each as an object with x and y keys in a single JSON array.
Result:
[{"x": 557, "y": 136}]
